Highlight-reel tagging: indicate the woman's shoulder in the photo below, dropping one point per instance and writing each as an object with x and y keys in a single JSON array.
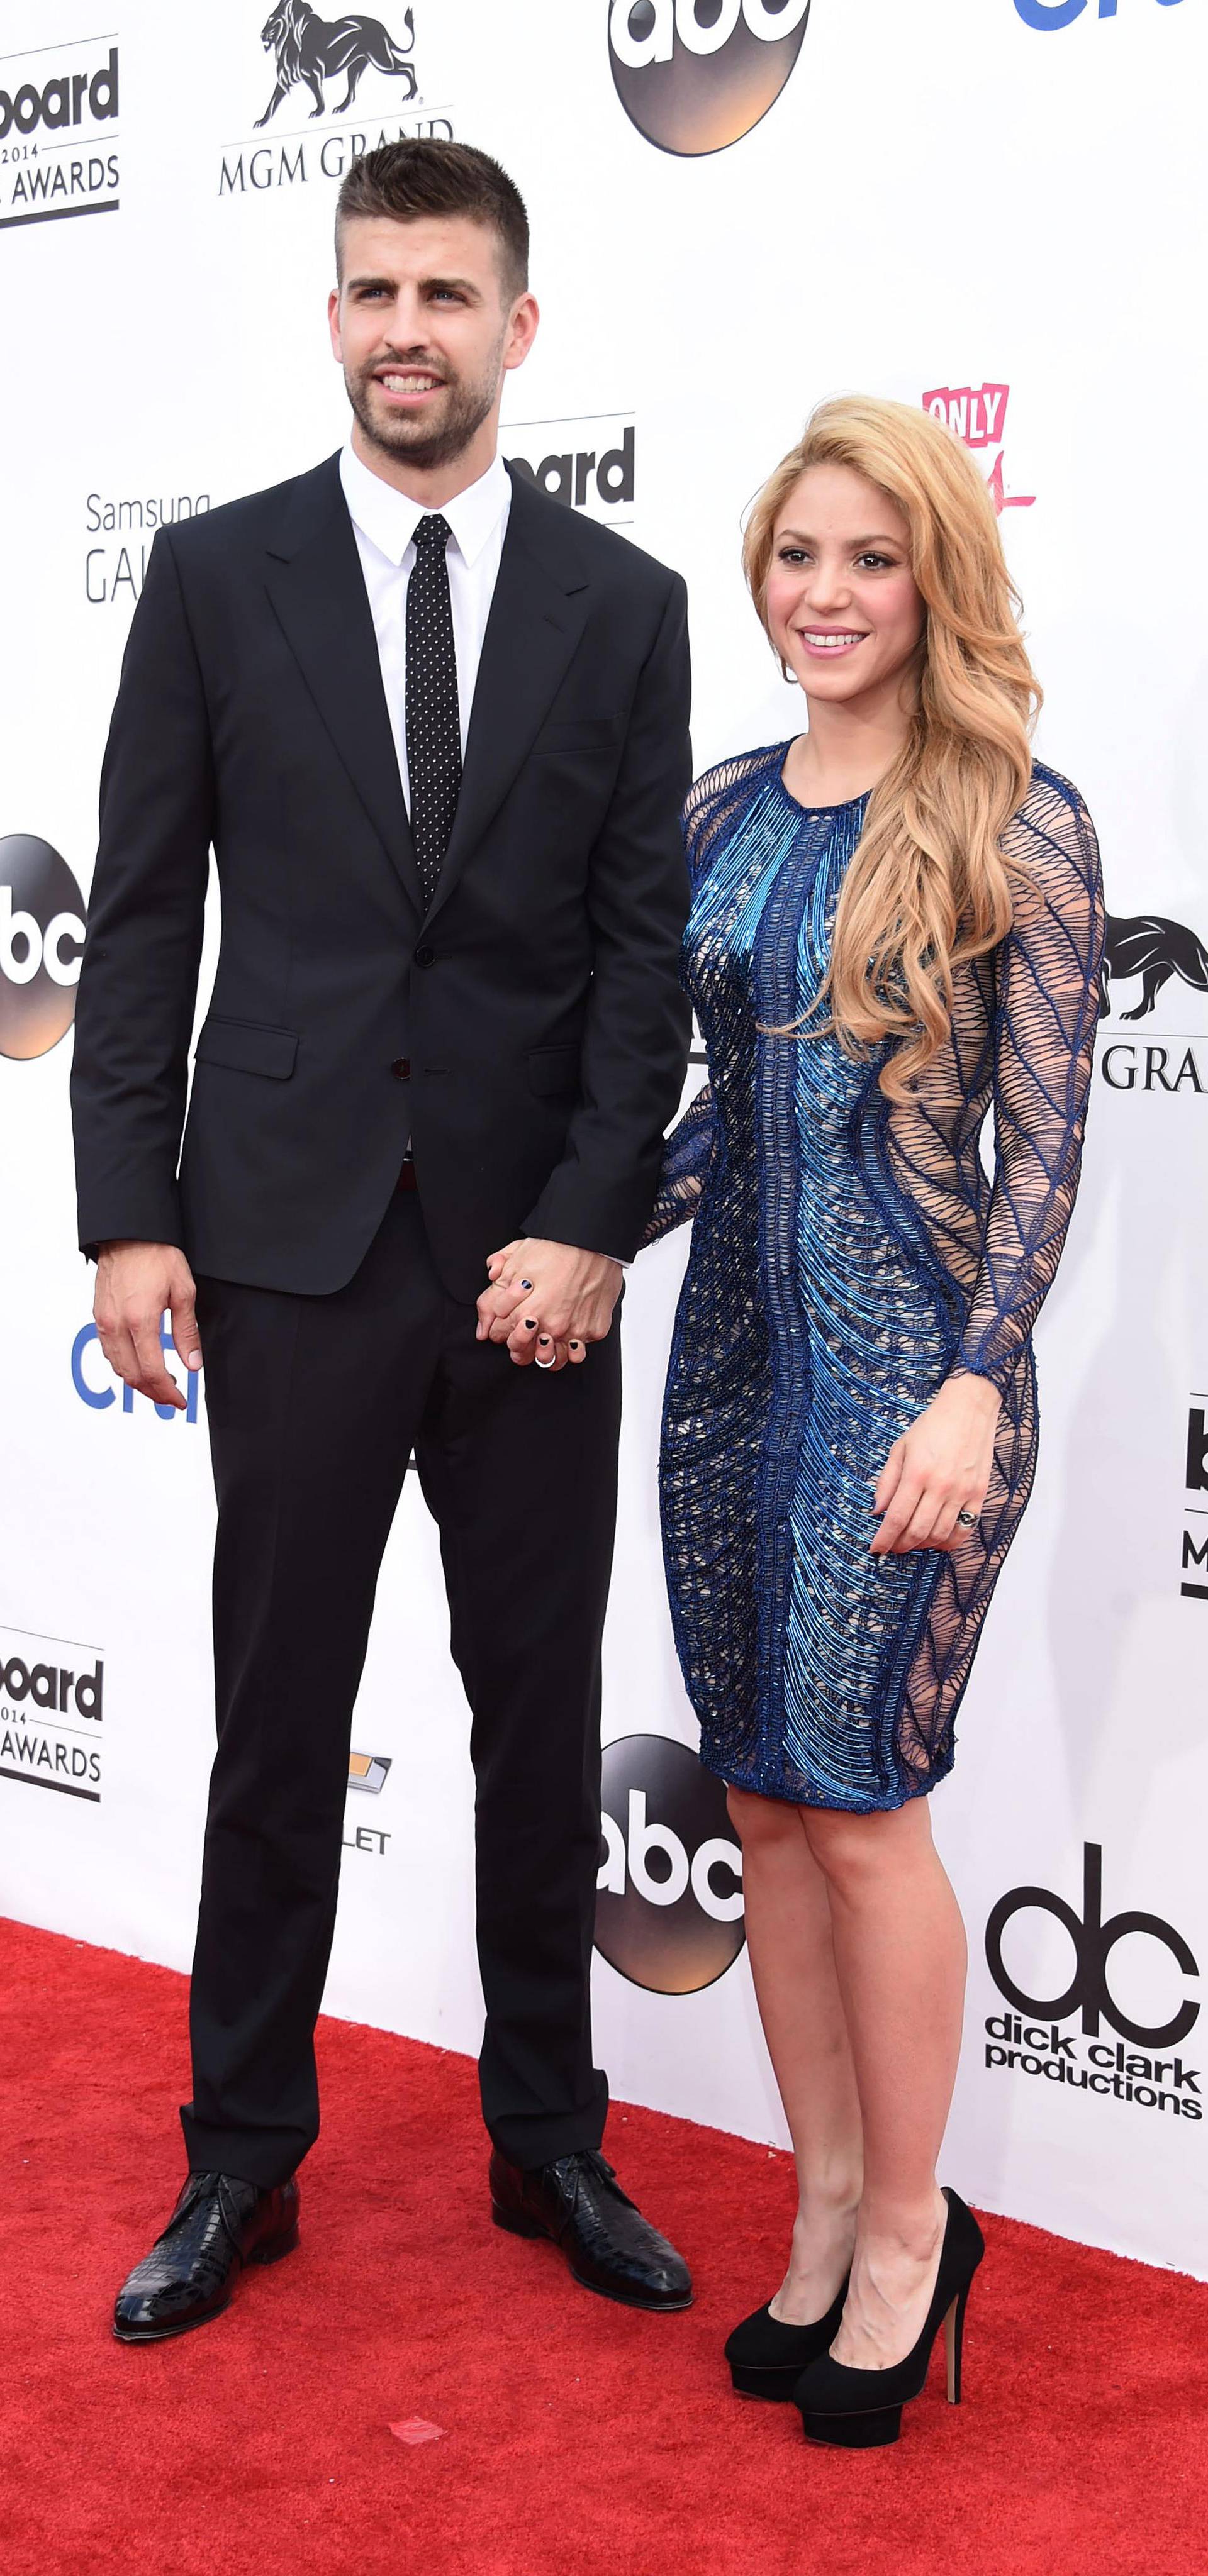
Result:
[
  {"x": 718, "y": 796},
  {"x": 1053, "y": 825}
]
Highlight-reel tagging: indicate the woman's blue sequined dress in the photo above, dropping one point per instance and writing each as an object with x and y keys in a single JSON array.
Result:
[{"x": 848, "y": 1254}]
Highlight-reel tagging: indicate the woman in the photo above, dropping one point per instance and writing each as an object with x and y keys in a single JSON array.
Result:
[{"x": 896, "y": 925}]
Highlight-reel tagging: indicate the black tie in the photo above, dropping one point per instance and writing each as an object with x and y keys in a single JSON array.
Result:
[{"x": 432, "y": 718}]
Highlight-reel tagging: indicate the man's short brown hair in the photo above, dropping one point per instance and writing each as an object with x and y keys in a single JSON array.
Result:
[{"x": 401, "y": 182}]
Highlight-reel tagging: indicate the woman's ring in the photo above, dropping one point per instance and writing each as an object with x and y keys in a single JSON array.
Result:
[
  {"x": 968, "y": 1520},
  {"x": 545, "y": 1363}
]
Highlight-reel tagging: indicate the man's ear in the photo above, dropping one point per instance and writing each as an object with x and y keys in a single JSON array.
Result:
[{"x": 522, "y": 333}]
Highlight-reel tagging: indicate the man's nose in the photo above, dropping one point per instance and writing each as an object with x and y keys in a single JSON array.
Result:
[{"x": 405, "y": 322}]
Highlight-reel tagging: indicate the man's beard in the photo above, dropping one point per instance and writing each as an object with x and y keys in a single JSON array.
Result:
[{"x": 466, "y": 408}]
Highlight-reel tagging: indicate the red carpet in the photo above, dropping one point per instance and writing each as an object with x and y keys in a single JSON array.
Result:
[{"x": 576, "y": 2439}]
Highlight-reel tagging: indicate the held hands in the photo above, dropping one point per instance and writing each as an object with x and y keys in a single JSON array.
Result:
[
  {"x": 134, "y": 1283},
  {"x": 548, "y": 1301},
  {"x": 939, "y": 1468}
]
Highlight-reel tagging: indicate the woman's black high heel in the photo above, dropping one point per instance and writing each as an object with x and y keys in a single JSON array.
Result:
[
  {"x": 767, "y": 2358},
  {"x": 861, "y": 2409}
]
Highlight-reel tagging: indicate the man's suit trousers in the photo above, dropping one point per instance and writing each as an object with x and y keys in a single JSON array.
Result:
[{"x": 314, "y": 1405}]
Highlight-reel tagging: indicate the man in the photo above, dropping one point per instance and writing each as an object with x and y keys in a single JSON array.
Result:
[{"x": 435, "y": 728}]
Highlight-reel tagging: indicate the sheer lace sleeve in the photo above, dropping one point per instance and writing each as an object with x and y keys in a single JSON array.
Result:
[
  {"x": 686, "y": 1158},
  {"x": 1047, "y": 1002},
  {"x": 708, "y": 808}
]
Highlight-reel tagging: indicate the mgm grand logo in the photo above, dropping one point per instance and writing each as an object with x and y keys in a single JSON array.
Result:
[
  {"x": 311, "y": 50},
  {"x": 1149, "y": 948},
  {"x": 1155, "y": 949},
  {"x": 312, "y": 56}
]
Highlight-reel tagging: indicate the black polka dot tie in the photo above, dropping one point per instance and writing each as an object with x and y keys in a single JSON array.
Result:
[{"x": 433, "y": 721}]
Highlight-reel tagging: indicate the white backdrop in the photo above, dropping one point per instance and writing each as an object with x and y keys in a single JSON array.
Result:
[{"x": 1000, "y": 208}]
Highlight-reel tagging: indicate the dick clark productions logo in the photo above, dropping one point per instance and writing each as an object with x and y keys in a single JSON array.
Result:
[
  {"x": 41, "y": 944},
  {"x": 695, "y": 75},
  {"x": 1028, "y": 2041},
  {"x": 669, "y": 1910}
]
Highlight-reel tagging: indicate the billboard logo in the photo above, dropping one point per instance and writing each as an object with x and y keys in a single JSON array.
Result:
[
  {"x": 696, "y": 75},
  {"x": 587, "y": 461},
  {"x": 46, "y": 126},
  {"x": 51, "y": 1712}
]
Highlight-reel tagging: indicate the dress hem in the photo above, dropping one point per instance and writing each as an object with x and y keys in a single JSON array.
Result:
[{"x": 758, "y": 1788}]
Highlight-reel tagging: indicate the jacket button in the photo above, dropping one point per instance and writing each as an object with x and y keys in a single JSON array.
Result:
[
  {"x": 402, "y": 1066},
  {"x": 425, "y": 957}
]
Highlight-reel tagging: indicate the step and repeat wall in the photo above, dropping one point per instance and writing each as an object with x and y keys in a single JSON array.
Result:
[{"x": 738, "y": 206}]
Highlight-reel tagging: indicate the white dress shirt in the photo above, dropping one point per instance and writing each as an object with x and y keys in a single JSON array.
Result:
[{"x": 384, "y": 522}]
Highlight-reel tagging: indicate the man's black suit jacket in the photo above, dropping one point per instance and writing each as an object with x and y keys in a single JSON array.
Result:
[{"x": 527, "y": 1031}]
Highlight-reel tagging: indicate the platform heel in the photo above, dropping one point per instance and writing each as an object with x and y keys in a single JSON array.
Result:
[
  {"x": 861, "y": 2410},
  {"x": 767, "y": 2358}
]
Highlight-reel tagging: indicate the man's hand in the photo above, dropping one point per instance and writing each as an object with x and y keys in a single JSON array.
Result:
[
  {"x": 134, "y": 1283},
  {"x": 548, "y": 1301}
]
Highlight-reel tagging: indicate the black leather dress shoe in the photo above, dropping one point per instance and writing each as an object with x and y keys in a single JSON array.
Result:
[
  {"x": 610, "y": 2247},
  {"x": 219, "y": 2224}
]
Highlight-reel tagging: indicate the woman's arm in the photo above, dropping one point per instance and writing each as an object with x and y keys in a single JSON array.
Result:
[
  {"x": 1047, "y": 987},
  {"x": 1044, "y": 1038},
  {"x": 686, "y": 1158}
]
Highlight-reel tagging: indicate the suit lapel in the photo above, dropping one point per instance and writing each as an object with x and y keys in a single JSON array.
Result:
[
  {"x": 537, "y": 617},
  {"x": 317, "y": 590}
]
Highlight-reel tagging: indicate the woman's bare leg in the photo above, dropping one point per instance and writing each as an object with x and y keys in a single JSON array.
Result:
[
  {"x": 899, "y": 1946},
  {"x": 793, "y": 1963}
]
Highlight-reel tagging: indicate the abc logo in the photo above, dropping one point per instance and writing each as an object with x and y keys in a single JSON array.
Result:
[
  {"x": 669, "y": 1907},
  {"x": 41, "y": 943},
  {"x": 694, "y": 75},
  {"x": 1093, "y": 1941}
]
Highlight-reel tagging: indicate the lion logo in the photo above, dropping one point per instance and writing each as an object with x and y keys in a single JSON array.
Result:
[
  {"x": 311, "y": 50},
  {"x": 1155, "y": 950}
]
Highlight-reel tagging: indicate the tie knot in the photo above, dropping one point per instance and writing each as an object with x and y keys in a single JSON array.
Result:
[{"x": 432, "y": 534}]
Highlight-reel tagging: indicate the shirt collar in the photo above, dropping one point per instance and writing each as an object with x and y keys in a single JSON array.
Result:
[{"x": 389, "y": 518}]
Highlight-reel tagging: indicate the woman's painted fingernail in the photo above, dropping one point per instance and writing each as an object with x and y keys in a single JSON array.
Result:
[
  {"x": 574, "y": 1346},
  {"x": 544, "y": 1341},
  {"x": 530, "y": 1323},
  {"x": 527, "y": 1286}
]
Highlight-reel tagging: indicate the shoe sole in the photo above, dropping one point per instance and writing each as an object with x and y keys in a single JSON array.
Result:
[
  {"x": 516, "y": 2224},
  {"x": 870, "y": 2432},
  {"x": 273, "y": 2253}
]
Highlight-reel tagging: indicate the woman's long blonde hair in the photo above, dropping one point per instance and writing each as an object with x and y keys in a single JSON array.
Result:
[{"x": 929, "y": 886}]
